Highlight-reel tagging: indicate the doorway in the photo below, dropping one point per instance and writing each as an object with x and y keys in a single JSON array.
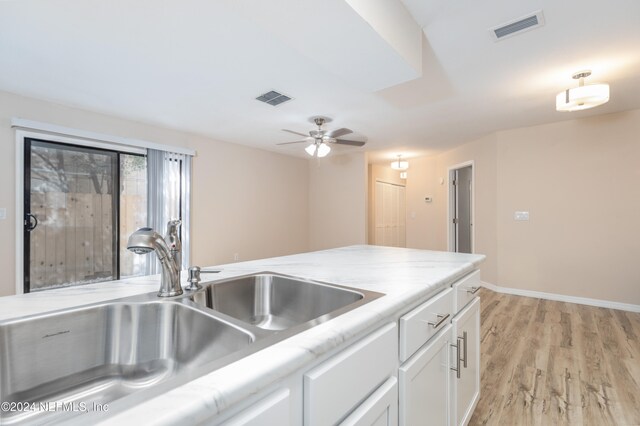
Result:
[
  {"x": 461, "y": 203},
  {"x": 390, "y": 218}
]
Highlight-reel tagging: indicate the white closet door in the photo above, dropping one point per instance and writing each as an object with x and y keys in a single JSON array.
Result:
[
  {"x": 379, "y": 217},
  {"x": 402, "y": 217},
  {"x": 390, "y": 226}
]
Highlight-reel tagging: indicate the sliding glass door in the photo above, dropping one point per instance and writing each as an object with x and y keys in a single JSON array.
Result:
[{"x": 80, "y": 203}]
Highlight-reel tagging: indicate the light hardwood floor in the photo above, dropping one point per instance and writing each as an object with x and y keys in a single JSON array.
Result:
[{"x": 555, "y": 363}]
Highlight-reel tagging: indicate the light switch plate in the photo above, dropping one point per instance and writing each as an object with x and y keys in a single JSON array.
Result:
[
  {"x": 3, "y": 213},
  {"x": 521, "y": 216}
]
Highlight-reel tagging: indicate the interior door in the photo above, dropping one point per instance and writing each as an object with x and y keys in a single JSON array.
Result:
[
  {"x": 462, "y": 201},
  {"x": 70, "y": 212},
  {"x": 390, "y": 215}
]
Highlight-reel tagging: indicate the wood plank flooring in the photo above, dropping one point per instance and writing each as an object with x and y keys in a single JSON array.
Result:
[{"x": 555, "y": 363}]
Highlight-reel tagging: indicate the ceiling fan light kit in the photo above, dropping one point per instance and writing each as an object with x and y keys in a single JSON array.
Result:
[
  {"x": 320, "y": 139},
  {"x": 323, "y": 150},
  {"x": 583, "y": 96},
  {"x": 318, "y": 150}
]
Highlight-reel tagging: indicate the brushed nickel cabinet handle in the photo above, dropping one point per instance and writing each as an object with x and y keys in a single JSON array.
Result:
[
  {"x": 464, "y": 351},
  {"x": 441, "y": 319},
  {"x": 473, "y": 290},
  {"x": 457, "y": 346}
]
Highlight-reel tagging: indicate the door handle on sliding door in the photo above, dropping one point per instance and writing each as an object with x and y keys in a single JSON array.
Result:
[{"x": 30, "y": 222}]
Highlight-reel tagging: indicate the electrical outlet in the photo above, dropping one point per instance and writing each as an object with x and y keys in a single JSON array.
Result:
[
  {"x": 521, "y": 216},
  {"x": 236, "y": 256},
  {"x": 3, "y": 213}
]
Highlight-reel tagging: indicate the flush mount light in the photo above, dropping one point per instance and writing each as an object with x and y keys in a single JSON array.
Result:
[
  {"x": 583, "y": 96},
  {"x": 399, "y": 164}
]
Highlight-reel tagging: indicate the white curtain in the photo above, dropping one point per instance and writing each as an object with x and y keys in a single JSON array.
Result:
[{"x": 169, "y": 196}]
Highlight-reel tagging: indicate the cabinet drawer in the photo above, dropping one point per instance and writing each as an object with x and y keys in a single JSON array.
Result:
[
  {"x": 380, "y": 409},
  {"x": 465, "y": 290},
  {"x": 424, "y": 322},
  {"x": 333, "y": 389}
]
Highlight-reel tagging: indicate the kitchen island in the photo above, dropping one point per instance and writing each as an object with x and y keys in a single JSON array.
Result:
[{"x": 275, "y": 376}]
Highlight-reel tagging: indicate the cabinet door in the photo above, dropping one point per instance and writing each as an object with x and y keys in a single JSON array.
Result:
[
  {"x": 424, "y": 384},
  {"x": 273, "y": 410},
  {"x": 334, "y": 388},
  {"x": 380, "y": 409},
  {"x": 465, "y": 386}
]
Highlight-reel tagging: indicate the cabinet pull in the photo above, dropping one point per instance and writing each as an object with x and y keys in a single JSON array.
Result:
[
  {"x": 464, "y": 351},
  {"x": 457, "y": 346},
  {"x": 441, "y": 319},
  {"x": 473, "y": 290}
]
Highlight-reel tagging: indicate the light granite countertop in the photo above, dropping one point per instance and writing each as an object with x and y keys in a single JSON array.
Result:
[{"x": 405, "y": 276}]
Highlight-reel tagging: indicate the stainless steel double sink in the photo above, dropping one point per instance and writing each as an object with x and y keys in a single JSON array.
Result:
[{"x": 141, "y": 346}]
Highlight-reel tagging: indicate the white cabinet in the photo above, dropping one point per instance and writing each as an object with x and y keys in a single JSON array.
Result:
[
  {"x": 380, "y": 409},
  {"x": 424, "y": 322},
  {"x": 335, "y": 388},
  {"x": 272, "y": 410},
  {"x": 465, "y": 382},
  {"x": 440, "y": 383},
  {"x": 465, "y": 290},
  {"x": 424, "y": 384}
]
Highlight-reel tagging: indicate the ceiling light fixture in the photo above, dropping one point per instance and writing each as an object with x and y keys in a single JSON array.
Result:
[
  {"x": 318, "y": 149},
  {"x": 583, "y": 96},
  {"x": 400, "y": 165}
]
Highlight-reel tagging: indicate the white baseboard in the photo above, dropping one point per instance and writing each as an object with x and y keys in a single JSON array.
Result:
[{"x": 563, "y": 298}]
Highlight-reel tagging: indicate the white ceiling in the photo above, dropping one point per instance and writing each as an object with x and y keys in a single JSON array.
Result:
[{"x": 197, "y": 65}]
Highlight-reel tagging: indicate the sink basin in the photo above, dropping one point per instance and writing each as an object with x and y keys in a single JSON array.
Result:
[
  {"x": 105, "y": 352},
  {"x": 278, "y": 302},
  {"x": 120, "y": 353}
]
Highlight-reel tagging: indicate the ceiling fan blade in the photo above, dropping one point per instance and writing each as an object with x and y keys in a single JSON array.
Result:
[
  {"x": 296, "y": 133},
  {"x": 289, "y": 143},
  {"x": 348, "y": 142},
  {"x": 339, "y": 132}
]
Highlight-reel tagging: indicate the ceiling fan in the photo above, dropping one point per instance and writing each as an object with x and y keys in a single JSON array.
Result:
[{"x": 319, "y": 140}]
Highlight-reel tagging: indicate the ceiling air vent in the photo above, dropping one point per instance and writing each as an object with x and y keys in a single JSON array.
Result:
[
  {"x": 520, "y": 25},
  {"x": 273, "y": 98}
]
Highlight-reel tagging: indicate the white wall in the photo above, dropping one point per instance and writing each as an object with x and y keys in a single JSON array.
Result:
[
  {"x": 580, "y": 181},
  {"x": 338, "y": 201},
  {"x": 423, "y": 230},
  {"x": 246, "y": 201}
]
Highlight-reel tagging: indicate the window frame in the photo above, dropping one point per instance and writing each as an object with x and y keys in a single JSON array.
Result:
[{"x": 26, "y": 128}]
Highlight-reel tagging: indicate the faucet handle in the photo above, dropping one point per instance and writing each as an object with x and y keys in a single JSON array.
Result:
[{"x": 194, "y": 277}]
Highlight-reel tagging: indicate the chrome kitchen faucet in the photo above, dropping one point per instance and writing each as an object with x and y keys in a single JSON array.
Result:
[{"x": 146, "y": 240}]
